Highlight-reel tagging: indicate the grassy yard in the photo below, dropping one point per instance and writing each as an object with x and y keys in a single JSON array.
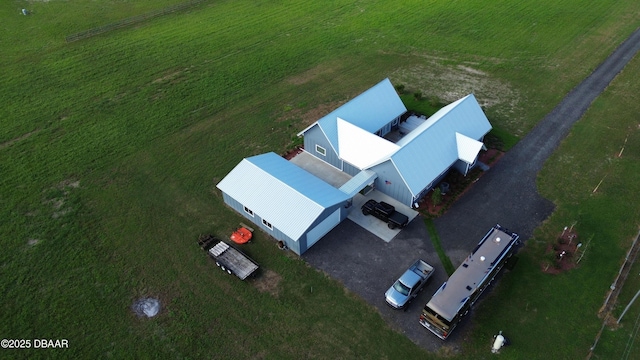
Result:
[
  {"x": 539, "y": 309},
  {"x": 110, "y": 149}
]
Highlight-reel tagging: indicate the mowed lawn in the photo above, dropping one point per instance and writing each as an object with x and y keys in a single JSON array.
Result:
[
  {"x": 592, "y": 179},
  {"x": 110, "y": 149}
]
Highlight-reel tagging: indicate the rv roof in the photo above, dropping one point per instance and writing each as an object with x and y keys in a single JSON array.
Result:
[{"x": 471, "y": 274}]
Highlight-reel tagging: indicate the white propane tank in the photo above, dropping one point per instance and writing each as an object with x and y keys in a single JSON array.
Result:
[{"x": 497, "y": 343}]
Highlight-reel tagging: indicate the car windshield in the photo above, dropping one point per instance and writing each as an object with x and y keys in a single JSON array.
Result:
[{"x": 401, "y": 288}]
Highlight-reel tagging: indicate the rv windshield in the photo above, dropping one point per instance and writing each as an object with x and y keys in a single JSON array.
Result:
[{"x": 435, "y": 318}]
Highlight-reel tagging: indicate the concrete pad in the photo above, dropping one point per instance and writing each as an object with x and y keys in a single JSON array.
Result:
[
  {"x": 373, "y": 224},
  {"x": 321, "y": 169}
]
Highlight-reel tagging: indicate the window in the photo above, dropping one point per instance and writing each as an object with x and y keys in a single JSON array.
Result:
[
  {"x": 320, "y": 150},
  {"x": 267, "y": 224},
  {"x": 248, "y": 211}
]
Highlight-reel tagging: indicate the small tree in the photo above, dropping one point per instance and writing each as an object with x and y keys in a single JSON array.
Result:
[{"x": 436, "y": 197}]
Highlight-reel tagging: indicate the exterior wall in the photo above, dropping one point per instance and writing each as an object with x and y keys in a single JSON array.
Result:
[
  {"x": 390, "y": 183},
  {"x": 257, "y": 220},
  {"x": 350, "y": 169},
  {"x": 299, "y": 246},
  {"x": 315, "y": 136},
  {"x": 327, "y": 212},
  {"x": 387, "y": 128},
  {"x": 462, "y": 167},
  {"x": 387, "y": 173},
  {"x": 424, "y": 192},
  {"x": 431, "y": 185},
  {"x": 384, "y": 130}
]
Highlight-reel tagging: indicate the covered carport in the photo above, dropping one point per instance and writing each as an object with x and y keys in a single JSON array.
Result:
[{"x": 373, "y": 224}]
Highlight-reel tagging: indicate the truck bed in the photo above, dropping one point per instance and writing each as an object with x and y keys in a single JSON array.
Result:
[
  {"x": 241, "y": 265},
  {"x": 422, "y": 269}
]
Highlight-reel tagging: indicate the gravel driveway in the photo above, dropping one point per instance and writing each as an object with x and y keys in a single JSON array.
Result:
[{"x": 506, "y": 195}]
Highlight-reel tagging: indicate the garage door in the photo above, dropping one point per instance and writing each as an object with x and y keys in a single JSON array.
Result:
[{"x": 323, "y": 228}]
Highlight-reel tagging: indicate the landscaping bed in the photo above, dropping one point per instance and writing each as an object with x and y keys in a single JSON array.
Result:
[{"x": 434, "y": 205}]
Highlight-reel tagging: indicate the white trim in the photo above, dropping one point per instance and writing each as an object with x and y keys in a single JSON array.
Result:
[
  {"x": 468, "y": 148},
  {"x": 323, "y": 152},
  {"x": 301, "y": 133},
  {"x": 329, "y": 140},
  {"x": 406, "y": 185},
  {"x": 248, "y": 211}
]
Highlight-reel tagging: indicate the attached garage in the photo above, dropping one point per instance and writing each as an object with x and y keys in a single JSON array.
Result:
[
  {"x": 323, "y": 228},
  {"x": 285, "y": 201}
]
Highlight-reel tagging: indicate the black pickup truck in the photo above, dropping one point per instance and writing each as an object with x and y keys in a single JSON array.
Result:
[{"x": 385, "y": 212}]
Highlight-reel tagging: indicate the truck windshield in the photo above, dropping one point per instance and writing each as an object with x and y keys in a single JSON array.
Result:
[{"x": 401, "y": 288}]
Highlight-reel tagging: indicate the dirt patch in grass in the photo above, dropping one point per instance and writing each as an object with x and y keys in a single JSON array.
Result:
[
  {"x": 69, "y": 183},
  {"x": 447, "y": 82},
  {"x": 290, "y": 154},
  {"x": 56, "y": 197},
  {"x": 169, "y": 77},
  {"x": 6, "y": 144},
  {"x": 561, "y": 256},
  {"x": 269, "y": 282},
  {"x": 309, "y": 116},
  {"x": 311, "y": 74},
  {"x": 447, "y": 351}
]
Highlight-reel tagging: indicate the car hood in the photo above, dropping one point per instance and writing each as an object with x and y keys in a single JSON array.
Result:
[{"x": 394, "y": 298}]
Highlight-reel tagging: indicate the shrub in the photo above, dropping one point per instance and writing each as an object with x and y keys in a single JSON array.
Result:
[{"x": 436, "y": 197}]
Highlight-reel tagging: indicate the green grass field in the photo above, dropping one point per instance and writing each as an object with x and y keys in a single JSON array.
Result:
[
  {"x": 110, "y": 149},
  {"x": 562, "y": 309}
]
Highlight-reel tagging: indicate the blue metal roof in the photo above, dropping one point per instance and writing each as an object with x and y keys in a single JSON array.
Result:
[
  {"x": 431, "y": 149},
  {"x": 358, "y": 182},
  {"x": 275, "y": 189},
  {"x": 370, "y": 111}
]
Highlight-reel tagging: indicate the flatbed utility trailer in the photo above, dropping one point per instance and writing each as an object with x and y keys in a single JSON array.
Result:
[{"x": 228, "y": 258}]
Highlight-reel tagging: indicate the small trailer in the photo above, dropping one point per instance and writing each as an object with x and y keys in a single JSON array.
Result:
[{"x": 227, "y": 257}]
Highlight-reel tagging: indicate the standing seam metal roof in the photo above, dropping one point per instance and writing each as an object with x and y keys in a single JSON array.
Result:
[
  {"x": 280, "y": 192},
  {"x": 432, "y": 148},
  {"x": 370, "y": 111}
]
